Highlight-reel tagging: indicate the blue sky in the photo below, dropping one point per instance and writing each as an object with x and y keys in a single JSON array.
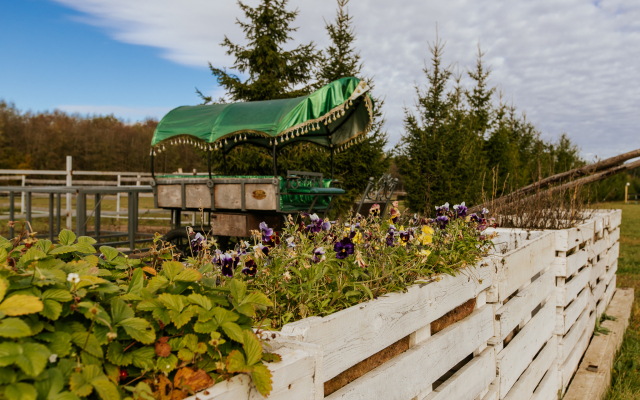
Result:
[
  {"x": 570, "y": 65},
  {"x": 54, "y": 60}
]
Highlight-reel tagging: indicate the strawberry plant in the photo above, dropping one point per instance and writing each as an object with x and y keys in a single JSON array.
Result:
[{"x": 78, "y": 322}]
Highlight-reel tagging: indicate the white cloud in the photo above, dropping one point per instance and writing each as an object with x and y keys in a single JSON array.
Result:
[{"x": 570, "y": 64}]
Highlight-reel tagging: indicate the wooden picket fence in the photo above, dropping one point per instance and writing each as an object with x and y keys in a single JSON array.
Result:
[{"x": 513, "y": 328}]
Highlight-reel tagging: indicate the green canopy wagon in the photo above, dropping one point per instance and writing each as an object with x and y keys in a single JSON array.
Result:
[{"x": 335, "y": 117}]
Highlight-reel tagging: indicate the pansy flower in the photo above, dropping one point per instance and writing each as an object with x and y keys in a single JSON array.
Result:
[
  {"x": 343, "y": 248},
  {"x": 197, "y": 244},
  {"x": 250, "y": 267},
  {"x": 442, "y": 221},
  {"x": 426, "y": 235},
  {"x": 442, "y": 210},
  {"x": 318, "y": 255},
  {"x": 375, "y": 210},
  {"x": 461, "y": 210}
]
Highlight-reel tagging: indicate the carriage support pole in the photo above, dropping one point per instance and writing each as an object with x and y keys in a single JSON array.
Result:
[
  {"x": 224, "y": 161},
  {"x": 209, "y": 161},
  {"x": 275, "y": 160},
  {"x": 153, "y": 175},
  {"x": 331, "y": 162}
]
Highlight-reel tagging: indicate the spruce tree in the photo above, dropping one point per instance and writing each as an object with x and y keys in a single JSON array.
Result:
[
  {"x": 424, "y": 152},
  {"x": 367, "y": 159},
  {"x": 272, "y": 72}
]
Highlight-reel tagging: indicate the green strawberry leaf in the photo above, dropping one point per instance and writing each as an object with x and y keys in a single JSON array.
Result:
[
  {"x": 14, "y": 328},
  {"x": 139, "y": 329}
]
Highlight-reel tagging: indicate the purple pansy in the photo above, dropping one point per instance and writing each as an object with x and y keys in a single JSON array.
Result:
[
  {"x": 343, "y": 248},
  {"x": 197, "y": 244},
  {"x": 461, "y": 210},
  {"x": 250, "y": 267},
  {"x": 442, "y": 210},
  {"x": 442, "y": 221}
]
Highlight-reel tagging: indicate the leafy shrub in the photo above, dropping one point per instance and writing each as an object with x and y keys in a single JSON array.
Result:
[{"x": 75, "y": 325}]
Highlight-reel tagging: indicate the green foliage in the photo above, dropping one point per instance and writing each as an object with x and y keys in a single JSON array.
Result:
[
  {"x": 72, "y": 328},
  {"x": 325, "y": 267},
  {"x": 460, "y": 145},
  {"x": 272, "y": 72}
]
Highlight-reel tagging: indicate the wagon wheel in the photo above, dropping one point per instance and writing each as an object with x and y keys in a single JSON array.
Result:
[{"x": 179, "y": 238}]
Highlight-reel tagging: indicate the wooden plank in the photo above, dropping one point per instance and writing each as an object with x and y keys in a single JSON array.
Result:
[
  {"x": 230, "y": 225},
  {"x": 599, "y": 224},
  {"x": 569, "y": 341},
  {"x": 228, "y": 196},
  {"x": 615, "y": 219},
  {"x": 597, "y": 248},
  {"x": 356, "y": 333},
  {"x": 567, "y": 266},
  {"x": 571, "y": 363},
  {"x": 260, "y": 196},
  {"x": 492, "y": 394},
  {"x": 399, "y": 378},
  {"x": 530, "y": 379},
  {"x": 614, "y": 237},
  {"x": 518, "y": 266},
  {"x": 514, "y": 359},
  {"x": 301, "y": 389},
  {"x": 570, "y": 314},
  {"x": 568, "y": 291},
  {"x": 170, "y": 196},
  {"x": 292, "y": 380},
  {"x": 599, "y": 270},
  {"x": 611, "y": 272},
  {"x": 613, "y": 253},
  {"x": 590, "y": 384},
  {"x": 611, "y": 287},
  {"x": 197, "y": 196},
  {"x": 548, "y": 389},
  {"x": 598, "y": 291},
  {"x": 469, "y": 381},
  {"x": 519, "y": 307},
  {"x": 567, "y": 239}
]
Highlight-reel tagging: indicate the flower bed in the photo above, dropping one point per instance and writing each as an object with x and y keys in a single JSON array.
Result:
[{"x": 441, "y": 331}]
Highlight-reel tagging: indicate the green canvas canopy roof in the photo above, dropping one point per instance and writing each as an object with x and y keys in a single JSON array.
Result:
[{"x": 334, "y": 116}]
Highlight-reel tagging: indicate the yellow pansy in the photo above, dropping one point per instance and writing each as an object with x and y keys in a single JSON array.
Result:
[{"x": 426, "y": 236}]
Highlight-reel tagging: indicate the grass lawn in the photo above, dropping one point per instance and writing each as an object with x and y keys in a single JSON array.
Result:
[{"x": 626, "y": 373}]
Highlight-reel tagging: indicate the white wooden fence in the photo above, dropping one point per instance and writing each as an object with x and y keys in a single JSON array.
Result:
[{"x": 535, "y": 302}]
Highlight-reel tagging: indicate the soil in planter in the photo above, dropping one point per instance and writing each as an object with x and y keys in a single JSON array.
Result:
[
  {"x": 365, "y": 366},
  {"x": 398, "y": 347},
  {"x": 453, "y": 316}
]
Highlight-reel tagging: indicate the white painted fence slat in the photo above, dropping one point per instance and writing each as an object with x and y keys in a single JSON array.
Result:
[
  {"x": 613, "y": 253},
  {"x": 548, "y": 389},
  {"x": 571, "y": 363},
  {"x": 569, "y": 341},
  {"x": 598, "y": 248},
  {"x": 514, "y": 359},
  {"x": 572, "y": 312},
  {"x": 519, "y": 307},
  {"x": 356, "y": 333},
  {"x": 598, "y": 291},
  {"x": 530, "y": 379},
  {"x": 567, "y": 239},
  {"x": 567, "y": 266},
  {"x": 598, "y": 270},
  {"x": 566, "y": 293},
  {"x": 614, "y": 236},
  {"x": 414, "y": 371},
  {"x": 469, "y": 381},
  {"x": 537, "y": 254}
]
